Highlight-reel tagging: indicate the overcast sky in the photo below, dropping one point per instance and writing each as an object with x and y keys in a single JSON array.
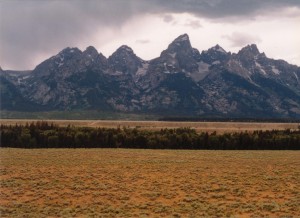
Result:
[{"x": 33, "y": 30}]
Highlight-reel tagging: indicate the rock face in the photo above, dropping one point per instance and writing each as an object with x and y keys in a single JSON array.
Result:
[{"x": 181, "y": 81}]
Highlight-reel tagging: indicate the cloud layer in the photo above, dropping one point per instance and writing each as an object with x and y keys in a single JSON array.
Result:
[
  {"x": 238, "y": 39},
  {"x": 30, "y": 29}
]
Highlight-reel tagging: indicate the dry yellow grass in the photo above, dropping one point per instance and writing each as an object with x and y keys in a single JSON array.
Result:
[
  {"x": 220, "y": 127},
  {"x": 155, "y": 183}
]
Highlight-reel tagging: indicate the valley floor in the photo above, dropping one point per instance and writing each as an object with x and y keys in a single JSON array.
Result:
[
  {"x": 159, "y": 183},
  {"x": 219, "y": 127}
]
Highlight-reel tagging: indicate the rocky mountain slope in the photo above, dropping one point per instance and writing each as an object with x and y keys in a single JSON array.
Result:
[{"x": 180, "y": 82}]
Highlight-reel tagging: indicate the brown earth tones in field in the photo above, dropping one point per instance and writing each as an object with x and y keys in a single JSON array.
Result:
[
  {"x": 155, "y": 183},
  {"x": 219, "y": 127}
]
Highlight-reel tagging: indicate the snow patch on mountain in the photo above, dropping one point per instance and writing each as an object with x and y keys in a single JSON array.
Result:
[
  {"x": 203, "y": 67},
  {"x": 142, "y": 70},
  {"x": 275, "y": 70},
  {"x": 260, "y": 68},
  {"x": 180, "y": 80},
  {"x": 203, "y": 71},
  {"x": 173, "y": 54},
  {"x": 296, "y": 76}
]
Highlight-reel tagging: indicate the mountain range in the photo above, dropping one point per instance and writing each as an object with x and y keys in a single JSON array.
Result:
[{"x": 180, "y": 82}]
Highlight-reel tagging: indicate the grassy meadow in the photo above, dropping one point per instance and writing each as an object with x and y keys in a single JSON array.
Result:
[
  {"x": 143, "y": 183},
  {"x": 219, "y": 127}
]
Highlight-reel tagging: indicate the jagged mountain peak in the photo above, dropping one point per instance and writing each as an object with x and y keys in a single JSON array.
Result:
[
  {"x": 182, "y": 38},
  {"x": 250, "y": 57},
  {"x": 52, "y": 64},
  {"x": 218, "y": 48},
  {"x": 214, "y": 55},
  {"x": 179, "y": 57},
  {"x": 91, "y": 57},
  {"x": 125, "y": 48},
  {"x": 70, "y": 50},
  {"x": 179, "y": 81},
  {"x": 66, "y": 54},
  {"x": 180, "y": 46},
  {"x": 251, "y": 50},
  {"x": 182, "y": 42},
  {"x": 124, "y": 52},
  {"x": 90, "y": 50},
  {"x": 124, "y": 60}
]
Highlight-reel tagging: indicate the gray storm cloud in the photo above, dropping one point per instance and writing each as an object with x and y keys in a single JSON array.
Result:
[
  {"x": 29, "y": 28},
  {"x": 238, "y": 39}
]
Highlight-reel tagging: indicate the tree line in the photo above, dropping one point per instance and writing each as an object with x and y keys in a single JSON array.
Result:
[{"x": 48, "y": 135}]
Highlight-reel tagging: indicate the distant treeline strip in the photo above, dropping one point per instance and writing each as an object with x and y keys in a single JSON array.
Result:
[{"x": 44, "y": 135}]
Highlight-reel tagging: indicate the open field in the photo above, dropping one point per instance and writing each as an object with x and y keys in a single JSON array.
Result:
[
  {"x": 219, "y": 127},
  {"x": 156, "y": 183}
]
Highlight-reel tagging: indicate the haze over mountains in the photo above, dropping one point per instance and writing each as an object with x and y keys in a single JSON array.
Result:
[{"x": 180, "y": 82}]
